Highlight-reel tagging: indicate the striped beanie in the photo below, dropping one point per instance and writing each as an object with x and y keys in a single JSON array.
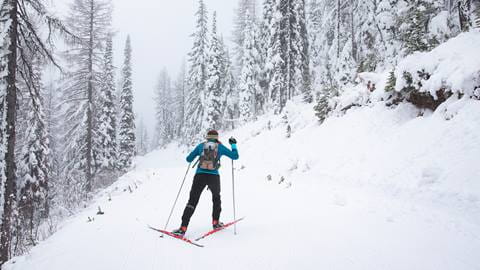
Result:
[{"x": 212, "y": 135}]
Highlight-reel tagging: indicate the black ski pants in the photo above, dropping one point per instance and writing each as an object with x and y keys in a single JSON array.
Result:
[{"x": 200, "y": 181}]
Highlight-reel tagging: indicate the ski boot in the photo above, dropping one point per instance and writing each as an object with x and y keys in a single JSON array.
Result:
[
  {"x": 217, "y": 224},
  {"x": 180, "y": 232}
]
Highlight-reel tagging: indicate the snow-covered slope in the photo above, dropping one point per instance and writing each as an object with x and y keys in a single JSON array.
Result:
[{"x": 375, "y": 189}]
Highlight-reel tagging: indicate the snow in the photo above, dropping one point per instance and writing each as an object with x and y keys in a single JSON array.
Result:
[
  {"x": 454, "y": 65},
  {"x": 377, "y": 188}
]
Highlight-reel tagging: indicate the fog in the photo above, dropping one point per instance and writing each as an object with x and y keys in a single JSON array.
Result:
[{"x": 160, "y": 31}]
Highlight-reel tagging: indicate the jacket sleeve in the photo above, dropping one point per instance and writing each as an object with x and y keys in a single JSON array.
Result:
[
  {"x": 233, "y": 154},
  {"x": 195, "y": 153}
]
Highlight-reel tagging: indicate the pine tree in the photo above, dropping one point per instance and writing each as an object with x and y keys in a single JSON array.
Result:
[
  {"x": 230, "y": 98},
  {"x": 390, "y": 87},
  {"x": 264, "y": 45},
  {"x": 126, "y": 133},
  {"x": 244, "y": 7},
  {"x": 214, "y": 83},
  {"x": 180, "y": 87},
  {"x": 143, "y": 143},
  {"x": 197, "y": 77},
  {"x": 33, "y": 169},
  {"x": 302, "y": 63},
  {"x": 53, "y": 118},
  {"x": 165, "y": 110},
  {"x": 17, "y": 30},
  {"x": 90, "y": 20},
  {"x": 414, "y": 21},
  {"x": 276, "y": 61},
  {"x": 249, "y": 82},
  {"x": 107, "y": 133},
  {"x": 322, "y": 108}
]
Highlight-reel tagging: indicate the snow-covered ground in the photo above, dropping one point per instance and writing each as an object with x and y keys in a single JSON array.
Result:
[{"x": 375, "y": 189}]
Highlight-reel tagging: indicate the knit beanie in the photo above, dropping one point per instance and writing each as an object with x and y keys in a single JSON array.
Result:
[{"x": 212, "y": 135}]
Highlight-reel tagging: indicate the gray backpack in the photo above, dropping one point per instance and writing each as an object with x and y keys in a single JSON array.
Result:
[{"x": 209, "y": 159}]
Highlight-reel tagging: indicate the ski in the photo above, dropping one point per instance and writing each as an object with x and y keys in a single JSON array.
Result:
[
  {"x": 176, "y": 236},
  {"x": 218, "y": 229}
]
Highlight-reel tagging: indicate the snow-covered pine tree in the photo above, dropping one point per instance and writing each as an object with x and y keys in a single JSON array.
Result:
[
  {"x": 413, "y": 31},
  {"x": 214, "y": 84},
  {"x": 18, "y": 29},
  {"x": 164, "y": 100},
  {"x": 276, "y": 61},
  {"x": 107, "y": 126},
  {"x": 197, "y": 77},
  {"x": 244, "y": 6},
  {"x": 230, "y": 97},
  {"x": 33, "y": 167},
  {"x": 126, "y": 134},
  {"x": 264, "y": 42},
  {"x": 90, "y": 20},
  {"x": 143, "y": 143},
  {"x": 249, "y": 78},
  {"x": 53, "y": 118},
  {"x": 302, "y": 61},
  {"x": 180, "y": 87},
  {"x": 314, "y": 19}
]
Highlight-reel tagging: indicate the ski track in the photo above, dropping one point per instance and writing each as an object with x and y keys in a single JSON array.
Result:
[{"x": 355, "y": 209}]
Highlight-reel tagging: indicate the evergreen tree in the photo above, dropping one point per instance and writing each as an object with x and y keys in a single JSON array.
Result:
[
  {"x": 107, "y": 133},
  {"x": 276, "y": 61},
  {"x": 414, "y": 33},
  {"x": 264, "y": 45},
  {"x": 19, "y": 41},
  {"x": 33, "y": 169},
  {"x": 302, "y": 63},
  {"x": 244, "y": 7},
  {"x": 230, "y": 98},
  {"x": 126, "y": 133},
  {"x": 164, "y": 110},
  {"x": 197, "y": 77},
  {"x": 53, "y": 118},
  {"x": 180, "y": 87},
  {"x": 249, "y": 83},
  {"x": 390, "y": 87},
  {"x": 90, "y": 20},
  {"x": 214, "y": 83},
  {"x": 143, "y": 143}
]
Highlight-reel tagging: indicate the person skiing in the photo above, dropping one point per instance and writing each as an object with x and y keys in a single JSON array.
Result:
[{"x": 209, "y": 154}]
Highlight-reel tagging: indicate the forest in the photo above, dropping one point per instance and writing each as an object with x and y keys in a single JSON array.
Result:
[{"x": 62, "y": 140}]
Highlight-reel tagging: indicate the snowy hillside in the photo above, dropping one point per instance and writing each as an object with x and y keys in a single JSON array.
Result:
[{"x": 375, "y": 189}]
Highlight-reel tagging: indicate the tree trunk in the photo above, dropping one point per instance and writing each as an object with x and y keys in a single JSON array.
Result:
[
  {"x": 338, "y": 29},
  {"x": 88, "y": 187},
  {"x": 11, "y": 107}
]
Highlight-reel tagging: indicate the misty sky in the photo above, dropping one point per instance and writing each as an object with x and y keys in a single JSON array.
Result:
[{"x": 160, "y": 32}]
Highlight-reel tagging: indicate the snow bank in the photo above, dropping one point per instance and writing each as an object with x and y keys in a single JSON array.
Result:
[
  {"x": 454, "y": 66},
  {"x": 395, "y": 149}
]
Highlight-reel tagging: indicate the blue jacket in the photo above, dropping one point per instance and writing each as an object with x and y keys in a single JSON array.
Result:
[{"x": 222, "y": 151}]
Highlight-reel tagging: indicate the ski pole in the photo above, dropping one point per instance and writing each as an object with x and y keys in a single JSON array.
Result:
[
  {"x": 233, "y": 191},
  {"x": 176, "y": 199}
]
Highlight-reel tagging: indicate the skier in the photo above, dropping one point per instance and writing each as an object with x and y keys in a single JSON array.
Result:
[{"x": 207, "y": 174}]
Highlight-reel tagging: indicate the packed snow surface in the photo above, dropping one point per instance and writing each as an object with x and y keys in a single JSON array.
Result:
[{"x": 378, "y": 188}]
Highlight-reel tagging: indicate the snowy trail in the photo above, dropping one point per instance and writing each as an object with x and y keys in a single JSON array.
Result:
[{"x": 320, "y": 217}]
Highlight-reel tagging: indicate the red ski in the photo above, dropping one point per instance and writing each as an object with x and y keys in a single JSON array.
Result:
[
  {"x": 218, "y": 229},
  {"x": 176, "y": 236}
]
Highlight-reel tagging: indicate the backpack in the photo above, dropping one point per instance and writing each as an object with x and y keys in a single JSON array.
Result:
[{"x": 209, "y": 159}]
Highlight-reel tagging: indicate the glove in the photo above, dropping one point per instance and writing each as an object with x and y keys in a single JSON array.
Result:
[{"x": 232, "y": 141}]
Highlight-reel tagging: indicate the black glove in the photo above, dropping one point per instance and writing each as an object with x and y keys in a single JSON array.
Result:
[{"x": 232, "y": 141}]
